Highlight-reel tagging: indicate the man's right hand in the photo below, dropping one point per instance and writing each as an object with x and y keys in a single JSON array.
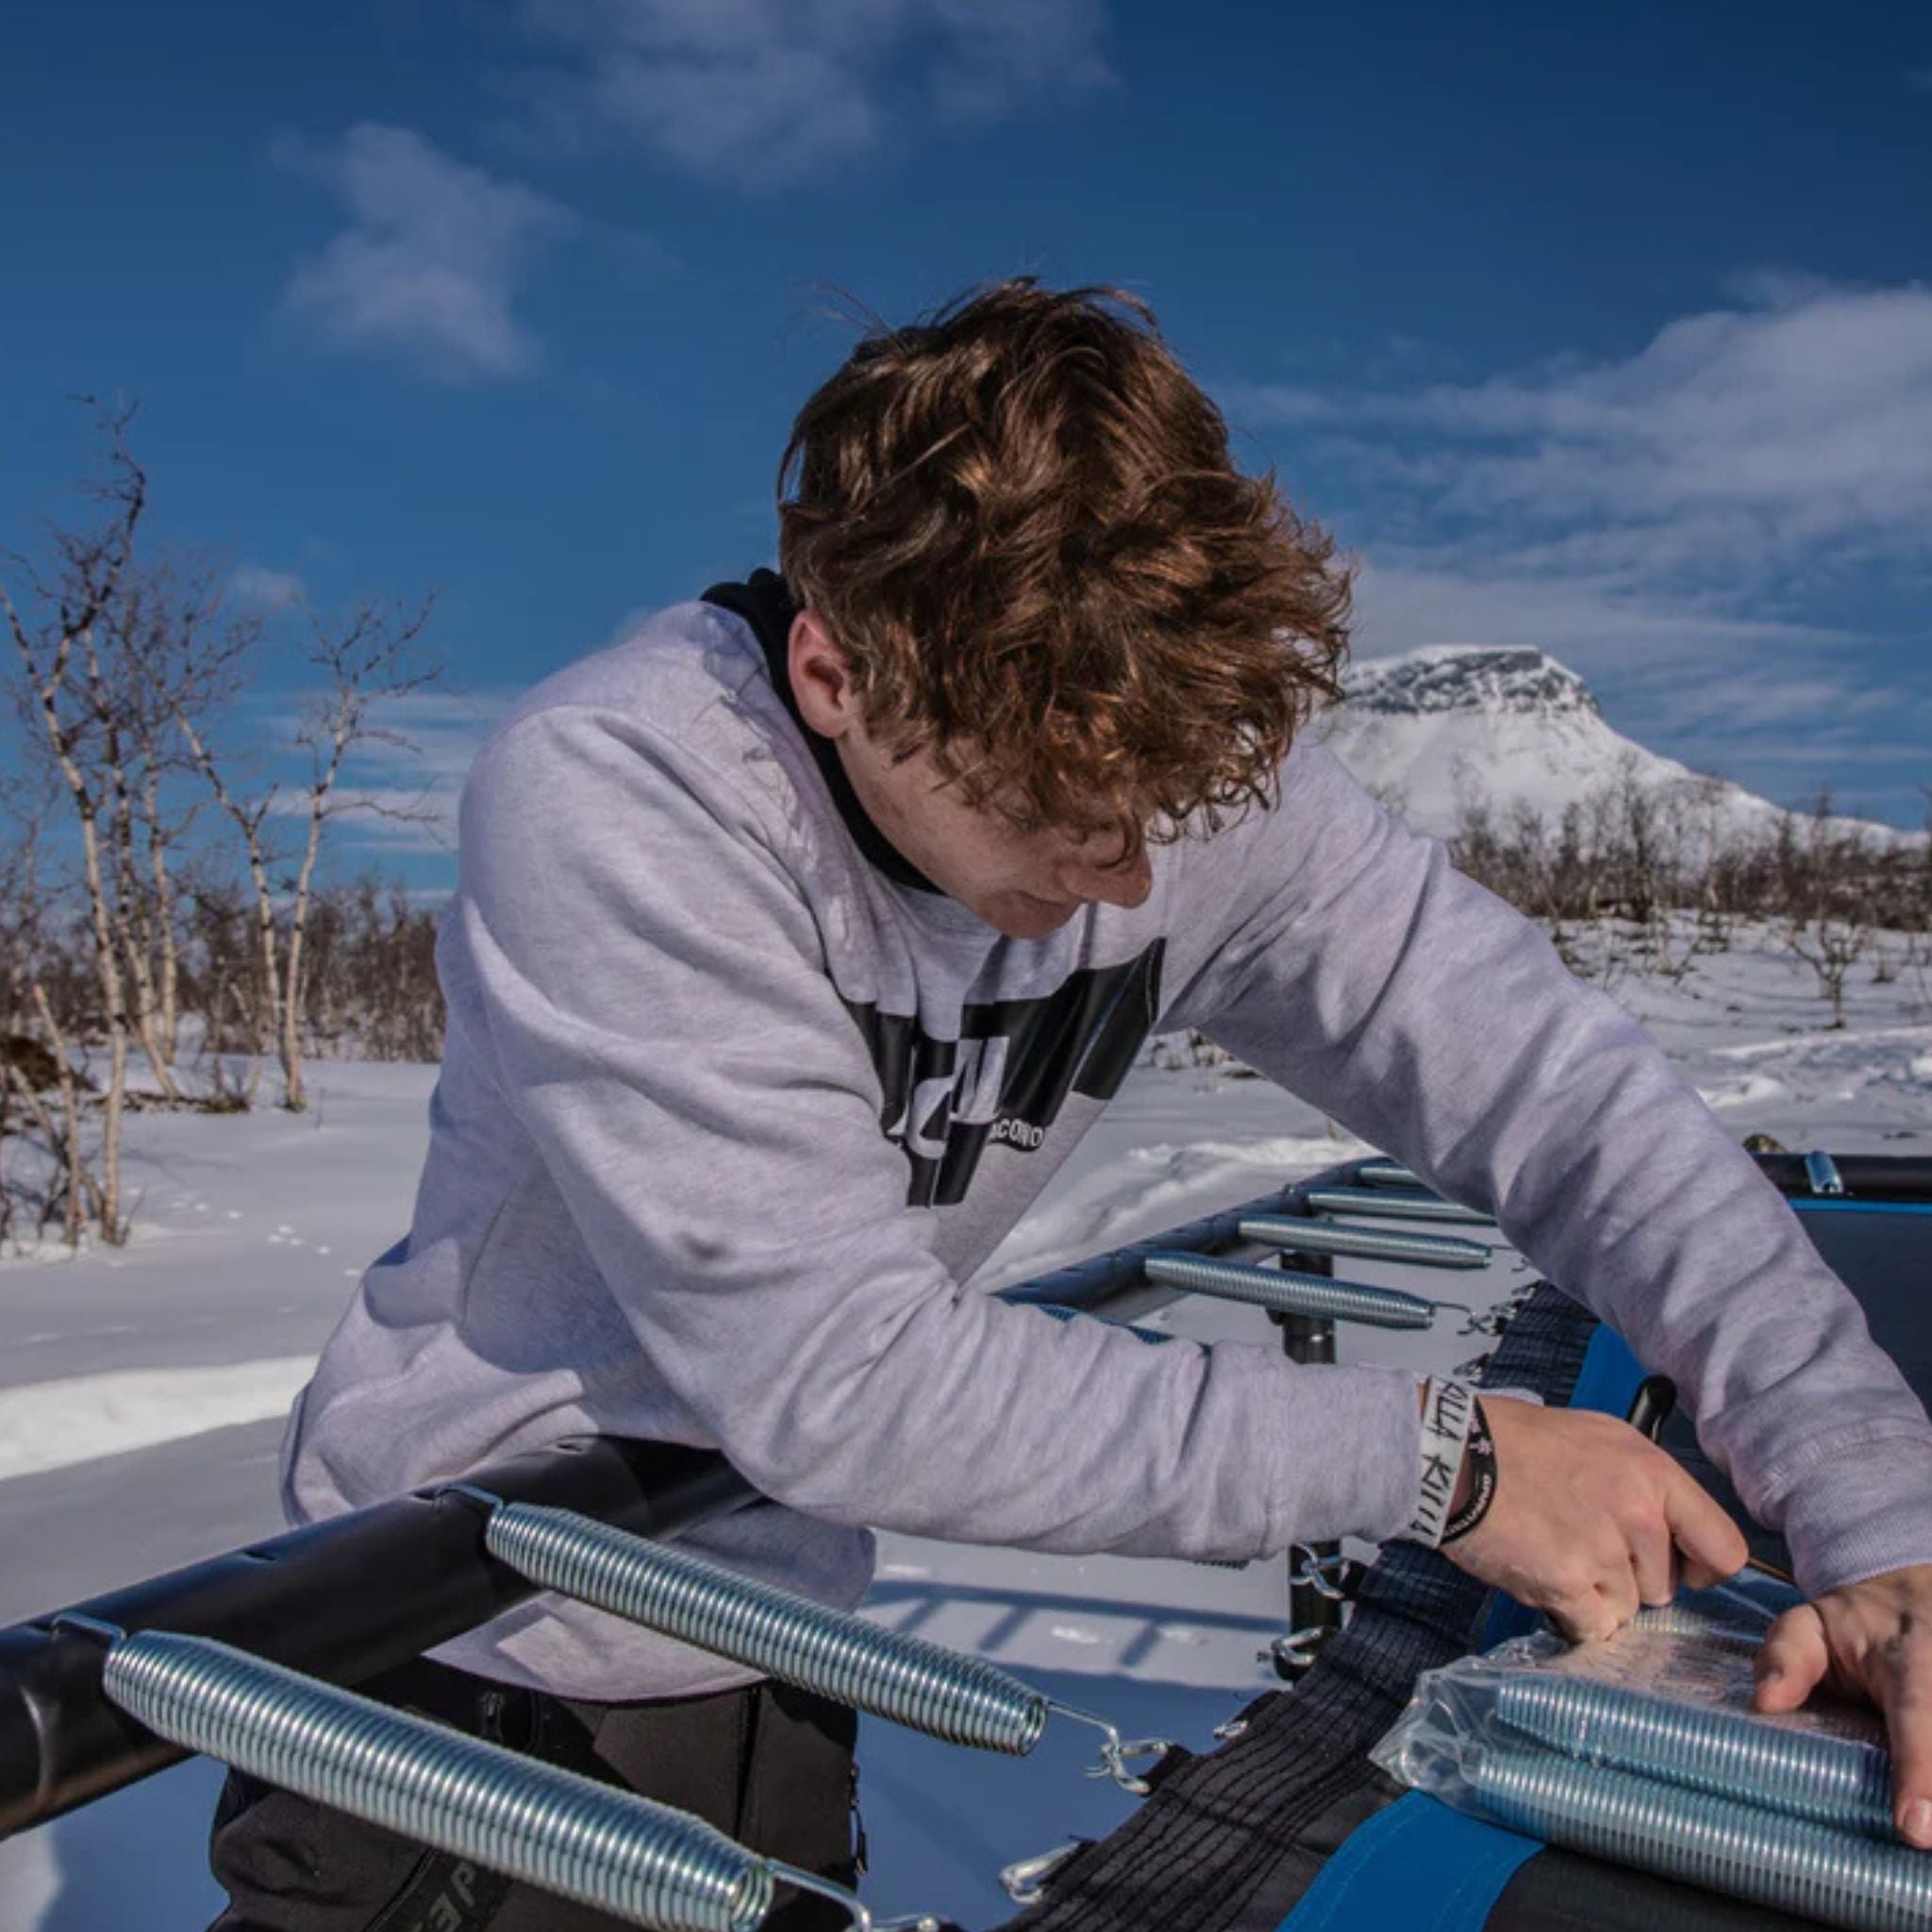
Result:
[{"x": 1592, "y": 1521}]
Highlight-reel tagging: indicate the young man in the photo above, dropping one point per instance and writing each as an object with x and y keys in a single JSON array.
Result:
[{"x": 798, "y": 940}]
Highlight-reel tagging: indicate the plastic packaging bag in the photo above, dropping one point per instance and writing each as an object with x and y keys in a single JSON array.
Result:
[
  {"x": 1668, "y": 1697},
  {"x": 1644, "y": 1750}
]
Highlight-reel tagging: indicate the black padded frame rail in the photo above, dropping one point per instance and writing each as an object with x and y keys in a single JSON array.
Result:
[
  {"x": 1875, "y": 1177},
  {"x": 344, "y": 1600}
]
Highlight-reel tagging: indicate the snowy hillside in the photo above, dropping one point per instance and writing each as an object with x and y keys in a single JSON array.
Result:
[{"x": 1436, "y": 731}]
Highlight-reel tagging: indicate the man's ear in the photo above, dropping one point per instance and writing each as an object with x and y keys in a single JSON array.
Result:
[{"x": 821, "y": 682}]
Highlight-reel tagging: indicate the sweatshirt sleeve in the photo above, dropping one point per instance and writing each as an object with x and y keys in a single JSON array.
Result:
[
  {"x": 1370, "y": 978},
  {"x": 657, "y": 1002}
]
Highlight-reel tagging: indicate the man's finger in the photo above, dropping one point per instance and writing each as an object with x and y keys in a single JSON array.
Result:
[
  {"x": 1599, "y": 1604},
  {"x": 1654, "y": 1558},
  {"x": 1713, "y": 1545},
  {"x": 1586, "y": 1620},
  {"x": 1792, "y": 1662},
  {"x": 1578, "y": 1612},
  {"x": 1617, "y": 1596},
  {"x": 1906, "y": 1697}
]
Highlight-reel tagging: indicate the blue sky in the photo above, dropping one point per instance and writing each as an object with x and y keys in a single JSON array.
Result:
[{"x": 1605, "y": 329}]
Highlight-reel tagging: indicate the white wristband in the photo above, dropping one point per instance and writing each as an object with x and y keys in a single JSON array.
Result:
[{"x": 1448, "y": 1413}]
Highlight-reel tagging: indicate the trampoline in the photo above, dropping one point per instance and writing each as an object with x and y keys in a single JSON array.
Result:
[{"x": 1287, "y": 1825}]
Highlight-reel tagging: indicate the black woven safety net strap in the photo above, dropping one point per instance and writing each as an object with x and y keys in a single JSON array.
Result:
[{"x": 1228, "y": 1842}]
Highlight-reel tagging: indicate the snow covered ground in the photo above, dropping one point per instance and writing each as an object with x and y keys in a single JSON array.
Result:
[{"x": 141, "y": 1395}]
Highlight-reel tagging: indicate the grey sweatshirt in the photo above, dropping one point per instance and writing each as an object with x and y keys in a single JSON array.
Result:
[{"x": 732, "y": 1105}]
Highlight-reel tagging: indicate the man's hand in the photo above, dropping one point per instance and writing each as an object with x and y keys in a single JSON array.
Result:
[
  {"x": 1871, "y": 1641},
  {"x": 1592, "y": 1521}
]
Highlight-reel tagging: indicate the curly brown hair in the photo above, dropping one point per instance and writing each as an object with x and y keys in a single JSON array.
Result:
[{"x": 1019, "y": 521}]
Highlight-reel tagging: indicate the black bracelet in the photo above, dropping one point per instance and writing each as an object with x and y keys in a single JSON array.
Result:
[{"x": 1481, "y": 1464}]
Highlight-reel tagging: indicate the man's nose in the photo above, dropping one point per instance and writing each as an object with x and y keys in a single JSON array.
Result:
[{"x": 1113, "y": 884}]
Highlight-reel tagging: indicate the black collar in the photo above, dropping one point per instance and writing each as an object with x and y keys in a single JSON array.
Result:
[{"x": 767, "y": 605}]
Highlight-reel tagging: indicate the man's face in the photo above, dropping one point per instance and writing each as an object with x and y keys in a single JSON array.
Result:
[{"x": 1023, "y": 882}]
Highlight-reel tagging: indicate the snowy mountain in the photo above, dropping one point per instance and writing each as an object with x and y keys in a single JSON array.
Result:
[{"x": 1436, "y": 731}]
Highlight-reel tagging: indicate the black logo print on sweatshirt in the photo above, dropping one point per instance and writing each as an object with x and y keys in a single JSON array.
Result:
[{"x": 1004, "y": 1079}]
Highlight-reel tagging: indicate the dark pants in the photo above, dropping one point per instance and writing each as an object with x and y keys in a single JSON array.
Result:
[{"x": 768, "y": 1766}]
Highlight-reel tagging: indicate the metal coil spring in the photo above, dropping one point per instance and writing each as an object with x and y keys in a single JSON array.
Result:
[
  {"x": 1386, "y": 1174},
  {"x": 554, "y": 1828},
  {"x": 1719, "y": 1844},
  {"x": 1837, "y": 1781},
  {"x": 1387, "y": 1204},
  {"x": 1286, "y": 1293},
  {"x": 1304, "y": 1235},
  {"x": 964, "y": 1700},
  {"x": 1673, "y": 1620}
]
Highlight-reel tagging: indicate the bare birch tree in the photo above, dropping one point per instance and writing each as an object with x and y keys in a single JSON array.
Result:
[
  {"x": 138, "y": 915},
  {"x": 365, "y": 664},
  {"x": 34, "y": 1050},
  {"x": 370, "y": 662},
  {"x": 249, "y": 816},
  {"x": 58, "y": 637},
  {"x": 170, "y": 658}
]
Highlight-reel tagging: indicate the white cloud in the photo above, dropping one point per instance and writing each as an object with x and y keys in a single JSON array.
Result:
[
  {"x": 256, "y": 588},
  {"x": 1448, "y": 597},
  {"x": 1743, "y": 451},
  {"x": 763, "y": 93},
  {"x": 1689, "y": 524},
  {"x": 430, "y": 263}
]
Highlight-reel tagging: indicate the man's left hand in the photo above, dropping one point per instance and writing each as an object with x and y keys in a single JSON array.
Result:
[{"x": 1871, "y": 1641}]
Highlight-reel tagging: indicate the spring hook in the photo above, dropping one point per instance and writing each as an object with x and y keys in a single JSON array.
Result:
[
  {"x": 1115, "y": 1752},
  {"x": 1025, "y": 1881},
  {"x": 965, "y": 1700},
  {"x": 1327, "y": 1577},
  {"x": 1283, "y": 1292},
  {"x": 568, "y": 1833},
  {"x": 1293, "y": 1653},
  {"x": 1492, "y": 1320}
]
